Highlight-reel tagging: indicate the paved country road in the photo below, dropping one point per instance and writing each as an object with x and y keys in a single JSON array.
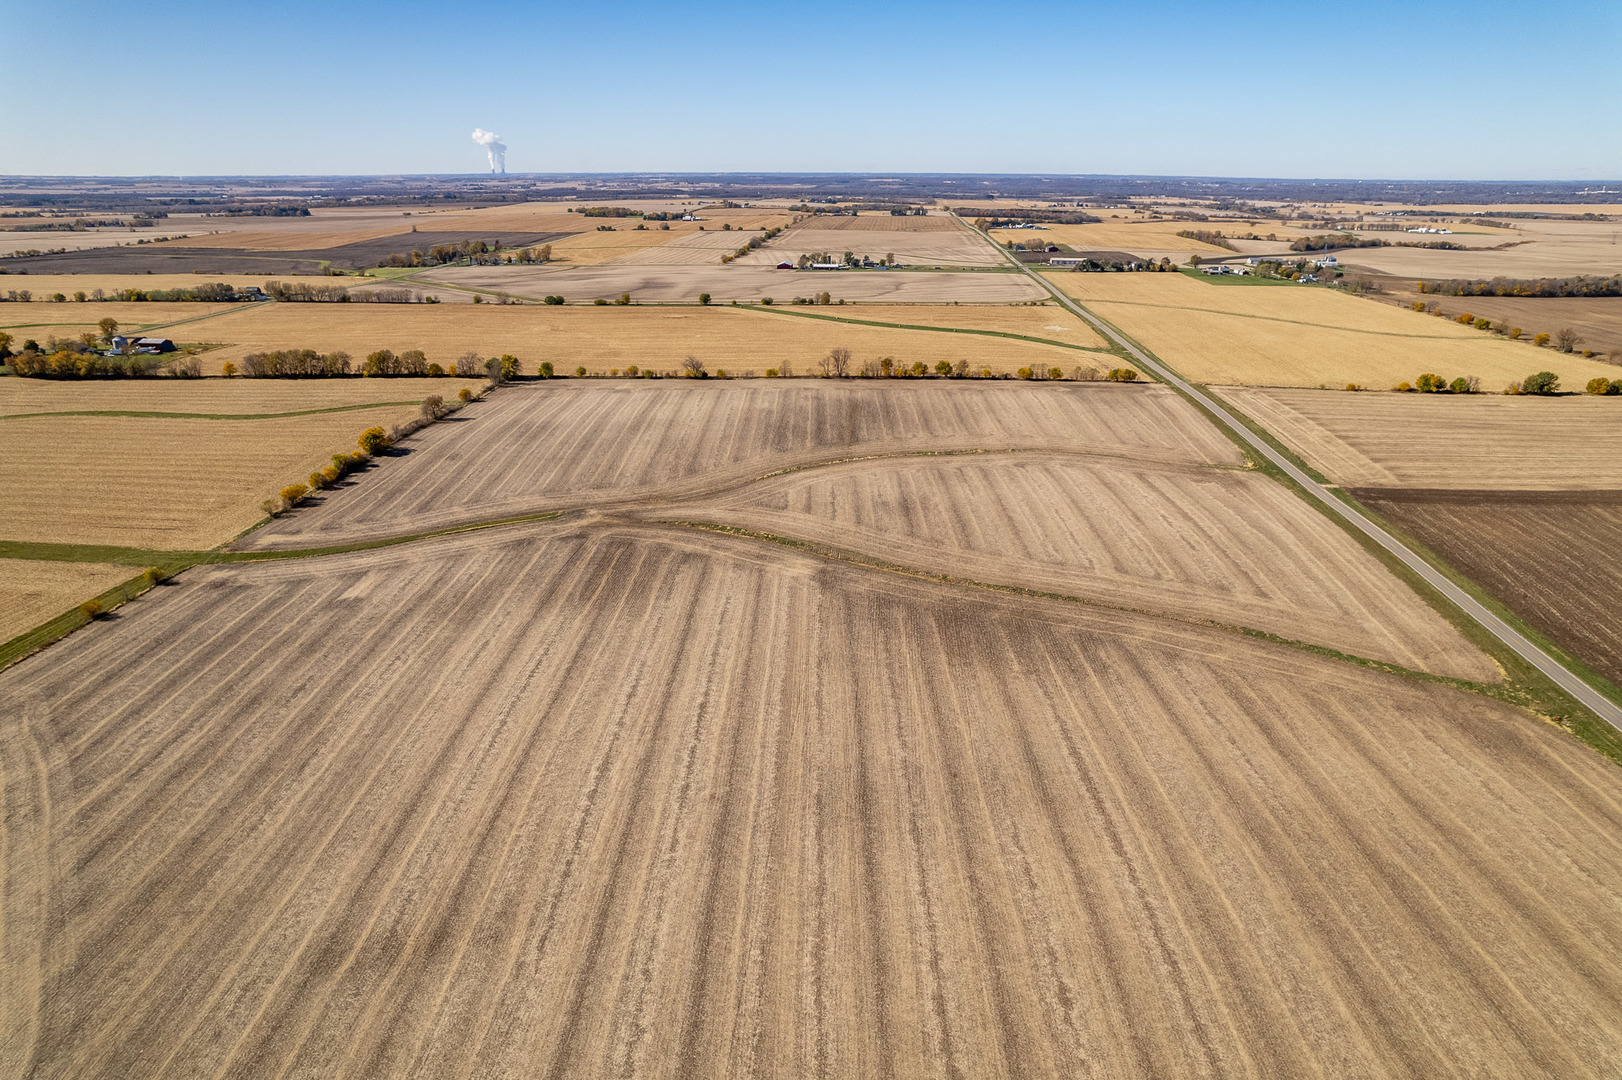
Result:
[{"x": 1568, "y": 681}]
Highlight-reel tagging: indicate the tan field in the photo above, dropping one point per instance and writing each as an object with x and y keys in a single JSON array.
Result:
[
  {"x": 1248, "y": 553},
  {"x": 956, "y": 247},
  {"x": 591, "y": 248},
  {"x": 68, "y": 320},
  {"x": 1303, "y": 336},
  {"x": 162, "y": 483},
  {"x": 743, "y": 282},
  {"x": 216, "y": 396},
  {"x": 1136, "y": 237},
  {"x": 42, "y": 285},
  {"x": 604, "y": 339},
  {"x": 1047, "y": 320},
  {"x": 690, "y": 249},
  {"x": 1541, "y": 249},
  {"x": 1436, "y": 441},
  {"x": 1597, "y": 319},
  {"x": 33, "y": 591},
  {"x": 78, "y": 241},
  {"x": 884, "y": 223},
  {"x": 578, "y": 443},
  {"x": 636, "y": 802}
]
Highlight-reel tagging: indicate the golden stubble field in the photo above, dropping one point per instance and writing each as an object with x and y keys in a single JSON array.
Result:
[
  {"x": 583, "y": 800},
  {"x": 602, "y": 339},
  {"x": 175, "y": 483},
  {"x": 34, "y": 591},
  {"x": 44, "y": 320},
  {"x": 1436, "y": 441},
  {"x": 1304, "y": 336}
]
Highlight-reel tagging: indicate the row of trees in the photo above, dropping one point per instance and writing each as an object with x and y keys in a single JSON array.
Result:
[
  {"x": 1565, "y": 339},
  {"x": 214, "y": 293},
  {"x": 1582, "y": 285}
]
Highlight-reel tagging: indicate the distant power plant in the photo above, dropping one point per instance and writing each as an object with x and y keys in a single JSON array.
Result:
[{"x": 493, "y": 147}]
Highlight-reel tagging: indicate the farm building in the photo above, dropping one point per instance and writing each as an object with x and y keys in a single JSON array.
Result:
[{"x": 154, "y": 345}]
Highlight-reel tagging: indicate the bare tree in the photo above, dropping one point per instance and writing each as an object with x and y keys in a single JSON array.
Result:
[
  {"x": 694, "y": 367},
  {"x": 1566, "y": 339},
  {"x": 836, "y": 363}
]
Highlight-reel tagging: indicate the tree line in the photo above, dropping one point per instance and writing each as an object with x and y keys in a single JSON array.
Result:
[{"x": 1582, "y": 285}]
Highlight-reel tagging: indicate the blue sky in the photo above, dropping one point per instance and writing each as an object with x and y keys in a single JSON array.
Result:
[{"x": 1368, "y": 90}]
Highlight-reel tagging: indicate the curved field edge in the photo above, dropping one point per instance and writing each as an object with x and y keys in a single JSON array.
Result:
[
  {"x": 541, "y": 854},
  {"x": 1523, "y": 685}
]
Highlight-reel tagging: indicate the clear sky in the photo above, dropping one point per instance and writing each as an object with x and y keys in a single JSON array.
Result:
[{"x": 1416, "y": 90}]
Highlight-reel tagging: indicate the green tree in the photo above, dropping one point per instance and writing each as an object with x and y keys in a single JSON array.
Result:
[
  {"x": 1429, "y": 383},
  {"x": 5, "y": 344},
  {"x": 1461, "y": 385},
  {"x": 108, "y": 327},
  {"x": 704, "y": 298},
  {"x": 943, "y": 367},
  {"x": 546, "y": 369},
  {"x": 1544, "y": 382},
  {"x": 1124, "y": 374}
]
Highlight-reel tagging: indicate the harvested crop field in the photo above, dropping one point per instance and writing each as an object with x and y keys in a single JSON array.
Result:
[
  {"x": 1551, "y": 556},
  {"x": 580, "y": 443},
  {"x": 1598, "y": 319},
  {"x": 1049, "y": 322},
  {"x": 1534, "y": 249},
  {"x": 1138, "y": 237},
  {"x": 746, "y": 284},
  {"x": 232, "y": 397},
  {"x": 70, "y": 319},
  {"x": 959, "y": 247},
  {"x": 1445, "y": 441},
  {"x": 162, "y": 483},
  {"x": 568, "y": 826},
  {"x": 1181, "y": 540},
  {"x": 33, "y": 591},
  {"x": 602, "y": 339},
  {"x": 1302, "y": 336},
  {"x": 887, "y": 223}
]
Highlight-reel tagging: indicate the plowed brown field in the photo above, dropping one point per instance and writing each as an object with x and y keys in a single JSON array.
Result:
[
  {"x": 1181, "y": 540},
  {"x": 583, "y": 443},
  {"x": 1550, "y": 555},
  {"x": 583, "y": 802}
]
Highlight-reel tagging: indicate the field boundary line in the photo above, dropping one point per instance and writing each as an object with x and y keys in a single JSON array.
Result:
[
  {"x": 1353, "y": 516},
  {"x": 138, "y": 414},
  {"x": 853, "y": 557},
  {"x": 774, "y": 310}
]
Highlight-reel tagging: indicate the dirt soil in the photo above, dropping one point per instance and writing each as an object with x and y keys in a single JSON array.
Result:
[
  {"x": 581, "y": 801},
  {"x": 1551, "y": 556}
]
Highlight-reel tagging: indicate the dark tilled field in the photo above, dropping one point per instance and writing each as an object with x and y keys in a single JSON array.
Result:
[
  {"x": 1550, "y": 555},
  {"x": 164, "y": 259}
]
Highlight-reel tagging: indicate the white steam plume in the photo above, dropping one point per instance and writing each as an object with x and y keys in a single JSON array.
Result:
[{"x": 494, "y": 147}]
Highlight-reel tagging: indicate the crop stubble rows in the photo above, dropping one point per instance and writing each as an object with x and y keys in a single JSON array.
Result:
[
  {"x": 1549, "y": 555},
  {"x": 560, "y": 445},
  {"x": 588, "y": 799},
  {"x": 1174, "y": 539},
  {"x": 901, "y": 832}
]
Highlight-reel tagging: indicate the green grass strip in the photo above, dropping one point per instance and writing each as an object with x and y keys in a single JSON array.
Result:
[
  {"x": 930, "y": 329},
  {"x": 208, "y": 416},
  {"x": 173, "y": 562}
]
